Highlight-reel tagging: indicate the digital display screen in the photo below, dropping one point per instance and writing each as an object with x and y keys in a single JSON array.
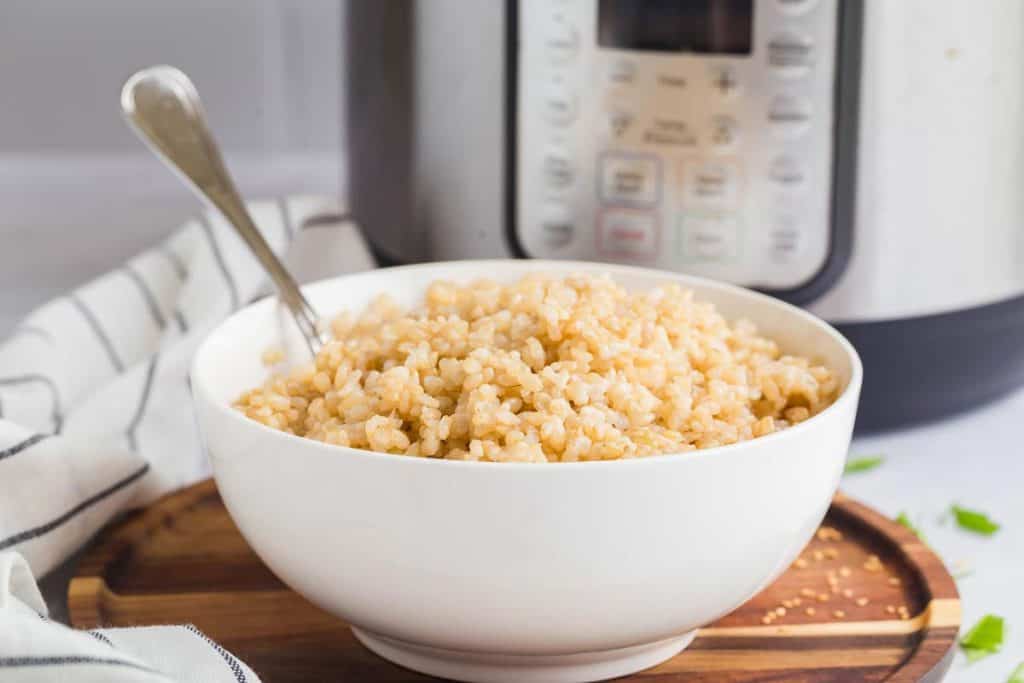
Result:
[{"x": 699, "y": 26}]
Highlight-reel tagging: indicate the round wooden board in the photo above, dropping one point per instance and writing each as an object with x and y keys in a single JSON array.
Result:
[{"x": 184, "y": 561}]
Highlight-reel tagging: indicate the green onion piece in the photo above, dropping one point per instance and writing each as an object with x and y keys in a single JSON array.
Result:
[
  {"x": 975, "y": 521},
  {"x": 984, "y": 639},
  {"x": 863, "y": 464}
]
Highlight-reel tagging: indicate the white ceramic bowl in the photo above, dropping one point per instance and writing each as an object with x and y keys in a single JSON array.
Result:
[{"x": 521, "y": 572}]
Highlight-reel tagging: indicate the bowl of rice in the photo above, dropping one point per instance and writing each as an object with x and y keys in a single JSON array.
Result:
[{"x": 528, "y": 470}]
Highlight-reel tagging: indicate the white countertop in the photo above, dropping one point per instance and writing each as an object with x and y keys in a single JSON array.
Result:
[{"x": 976, "y": 460}]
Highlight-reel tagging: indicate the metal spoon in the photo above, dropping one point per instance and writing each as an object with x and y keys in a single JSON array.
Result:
[{"x": 164, "y": 109}]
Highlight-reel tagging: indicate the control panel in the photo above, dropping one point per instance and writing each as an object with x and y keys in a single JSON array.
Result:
[{"x": 689, "y": 135}]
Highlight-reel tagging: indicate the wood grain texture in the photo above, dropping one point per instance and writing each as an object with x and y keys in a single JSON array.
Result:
[{"x": 184, "y": 561}]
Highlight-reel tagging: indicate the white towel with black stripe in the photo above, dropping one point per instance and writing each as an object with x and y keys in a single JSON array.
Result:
[{"x": 96, "y": 417}]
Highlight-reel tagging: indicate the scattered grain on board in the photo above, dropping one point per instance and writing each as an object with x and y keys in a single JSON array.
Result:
[{"x": 844, "y": 595}]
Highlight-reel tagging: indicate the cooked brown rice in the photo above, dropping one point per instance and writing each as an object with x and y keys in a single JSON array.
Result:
[{"x": 548, "y": 369}]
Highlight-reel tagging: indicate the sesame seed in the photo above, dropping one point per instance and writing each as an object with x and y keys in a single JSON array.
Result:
[
  {"x": 844, "y": 571},
  {"x": 766, "y": 620},
  {"x": 800, "y": 563},
  {"x": 890, "y": 609},
  {"x": 839, "y": 614},
  {"x": 861, "y": 602},
  {"x": 848, "y": 593},
  {"x": 810, "y": 611},
  {"x": 780, "y": 612},
  {"x": 894, "y": 581},
  {"x": 823, "y": 597},
  {"x": 818, "y": 556},
  {"x": 796, "y": 602},
  {"x": 807, "y": 592},
  {"x": 831, "y": 553}
]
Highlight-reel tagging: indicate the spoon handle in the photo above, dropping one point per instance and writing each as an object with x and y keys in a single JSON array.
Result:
[{"x": 164, "y": 108}]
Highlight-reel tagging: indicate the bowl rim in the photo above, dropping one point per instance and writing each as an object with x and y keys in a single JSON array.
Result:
[{"x": 850, "y": 392}]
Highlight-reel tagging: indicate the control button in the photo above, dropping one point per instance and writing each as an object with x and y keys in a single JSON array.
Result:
[
  {"x": 709, "y": 237},
  {"x": 559, "y": 104},
  {"x": 724, "y": 81},
  {"x": 562, "y": 41},
  {"x": 711, "y": 183},
  {"x": 789, "y": 116},
  {"x": 558, "y": 169},
  {"x": 671, "y": 81},
  {"x": 619, "y": 123},
  {"x": 724, "y": 132},
  {"x": 785, "y": 240},
  {"x": 666, "y": 132},
  {"x": 788, "y": 174},
  {"x": 631, "y": 233},
  {"x": 557, "y": 225},
  {"x": 795, "y": 8},
  {"x": 791, "y": 55},
  {"x": 632, "y": 179},
  {"x": 621, "y": 72}
]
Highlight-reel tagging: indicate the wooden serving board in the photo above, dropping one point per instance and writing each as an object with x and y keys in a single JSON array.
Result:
[{"x": 184, "y": 561}]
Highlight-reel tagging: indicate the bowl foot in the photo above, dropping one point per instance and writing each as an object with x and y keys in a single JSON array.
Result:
[{"x": 502, "y": 668}]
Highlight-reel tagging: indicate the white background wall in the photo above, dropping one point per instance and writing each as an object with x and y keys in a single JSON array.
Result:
[{"x": 78, "y": 192}]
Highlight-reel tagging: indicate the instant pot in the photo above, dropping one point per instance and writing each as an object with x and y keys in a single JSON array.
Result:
[{"x": 863, "y": 160}]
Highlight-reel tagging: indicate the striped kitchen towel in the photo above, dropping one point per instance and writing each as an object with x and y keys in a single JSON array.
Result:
[{"x": 96, "y": 417}]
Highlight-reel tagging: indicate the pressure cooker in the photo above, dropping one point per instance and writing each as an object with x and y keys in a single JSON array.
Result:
[{"x": 861, "y": 159}]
